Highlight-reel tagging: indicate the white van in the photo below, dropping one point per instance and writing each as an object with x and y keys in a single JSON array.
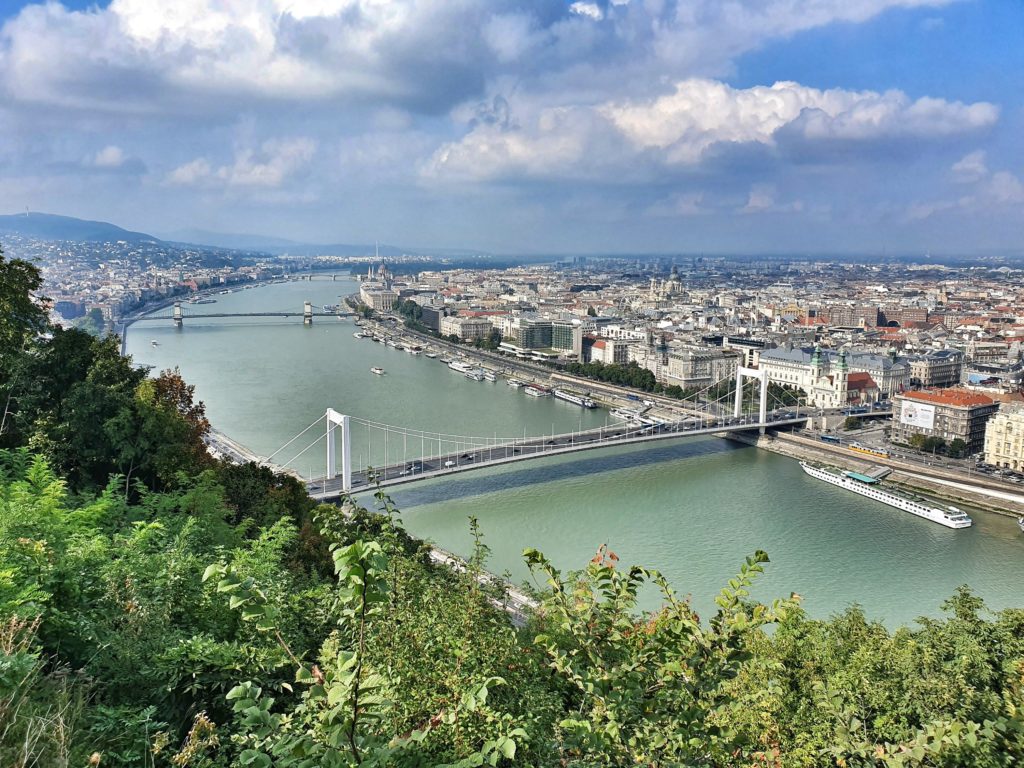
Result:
[{"x": 449, "y": 464}]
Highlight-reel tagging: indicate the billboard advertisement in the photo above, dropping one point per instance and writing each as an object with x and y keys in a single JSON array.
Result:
[{"x": 918, "y": 415}]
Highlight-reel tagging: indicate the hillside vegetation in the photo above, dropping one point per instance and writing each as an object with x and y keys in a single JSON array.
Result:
[{"x": 159, "y": 608}]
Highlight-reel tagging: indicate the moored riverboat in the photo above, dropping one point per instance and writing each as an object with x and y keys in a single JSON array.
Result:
[{"x": 950, "y": 517}]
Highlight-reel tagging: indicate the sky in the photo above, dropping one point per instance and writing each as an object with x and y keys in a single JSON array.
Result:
[{"x": 526, "y": 126}]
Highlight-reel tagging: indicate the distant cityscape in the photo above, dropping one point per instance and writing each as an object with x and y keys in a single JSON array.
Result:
[{"x": 939, "y": 345}]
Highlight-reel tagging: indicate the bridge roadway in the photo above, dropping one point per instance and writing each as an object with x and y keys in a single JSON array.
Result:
[
  {"x": 412, "y": 470},
  {"x": 248, "y": 314}
]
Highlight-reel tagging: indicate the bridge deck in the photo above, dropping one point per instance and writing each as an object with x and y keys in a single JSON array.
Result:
[
  {"x": 533, "y": 448},
  {"x": 248, "y": 314}
]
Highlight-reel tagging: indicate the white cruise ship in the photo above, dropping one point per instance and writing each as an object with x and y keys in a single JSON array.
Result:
[
  {"x": 951, "y": 517},
  {"x": 460, "y": 367},
  {"x": 533, "y": 391}
]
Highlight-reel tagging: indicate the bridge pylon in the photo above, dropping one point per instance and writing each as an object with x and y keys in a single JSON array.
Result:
[
  {"x": 178, "y": 316},
  {"x": 339, "y": 422},
  {"x": 743, "y": 373},
  {"x": 307, "y": 313}
]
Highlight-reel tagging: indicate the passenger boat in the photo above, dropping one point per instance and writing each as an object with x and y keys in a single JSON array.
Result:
[
  {"x": 489, "y": 376},
  {"x": 414, "y": 350},
  {"x": 572, "y": 397},
  {"x": 154, "y": 343},
  {"x": 625, "y": 414},
  {"x": 868, "y": 486},
  {"x": 1020, "y": 524},
  {"x": 378, "y": 370},
  {"x": 431, "y": 355},
  {"x": 534, "y": 391},
  {"x": 514, "y": 383},
  {"x": 357, "y": 335},
  {"x": 475, "y": 375},
  {"x": 460, "y": 367}
]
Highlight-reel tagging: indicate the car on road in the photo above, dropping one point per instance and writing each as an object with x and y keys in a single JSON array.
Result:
[{"x": 449, "y": 464}]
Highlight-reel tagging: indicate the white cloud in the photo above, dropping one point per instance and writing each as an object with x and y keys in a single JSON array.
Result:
[
  {"x": 109, "y": 157},
  {"x": 191, "y": 173},
  {"x": 132, "y": 54},
  {"x": 971, "y": 167},
  {"x": 590, "y": 10},
  {"x": 680, "y": 204},
  {"x": 268, "y": 166},
  {"x": 762, "y": 199},
  {"x": 989, "y": 191},
  {"x": 678, "y": 128}
]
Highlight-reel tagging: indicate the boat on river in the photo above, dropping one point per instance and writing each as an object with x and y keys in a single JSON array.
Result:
[
  {"x": 535, "y": 391},
  {"x": 1020, "y": 524},
  {"x": 950, "y": 517},
  {"x": 514, "y": 383},
  {"x": 572, "y": 397},
  {"x": 378, "y": 370}
]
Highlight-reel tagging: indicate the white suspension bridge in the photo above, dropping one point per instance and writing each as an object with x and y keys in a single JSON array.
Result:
[{"x": 362, "y": 453}]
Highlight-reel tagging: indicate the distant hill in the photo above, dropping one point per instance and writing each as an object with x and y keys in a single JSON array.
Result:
[
  {"x": 241, "y": 242},
  {"x": 279, "y": 245},
  {"x": 48, "y": 226}
]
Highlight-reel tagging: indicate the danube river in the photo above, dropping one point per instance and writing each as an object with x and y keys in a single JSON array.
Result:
[{"x": 691, "y": 508}]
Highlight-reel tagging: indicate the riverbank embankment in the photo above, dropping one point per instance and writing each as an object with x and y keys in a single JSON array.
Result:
[{"x": 937, "y": 482}]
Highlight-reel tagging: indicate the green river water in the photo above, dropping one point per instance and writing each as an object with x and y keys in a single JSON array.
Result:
[{"x": 691, "y": 508}]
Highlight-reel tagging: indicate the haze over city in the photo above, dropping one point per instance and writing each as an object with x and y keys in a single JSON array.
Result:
[{"x": 862, "y": 126}]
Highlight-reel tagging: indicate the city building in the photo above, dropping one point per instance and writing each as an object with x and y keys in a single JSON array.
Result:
[
  {"x": 567, "y": 336},
  {"x": 377, "y": 297},
  {"x": 797, "y": 367},
  {"x": 945, "y": 413},
  {"x": 942, "y": 368},
  {"x": 700, "y": 366},
  {"x": 609, "y": 351},
  {"x": 466, "y": 328},
  {"x": 1004, "y": 437}
]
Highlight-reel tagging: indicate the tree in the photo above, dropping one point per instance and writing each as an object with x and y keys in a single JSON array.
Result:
[
  {"x": 591, "y": 312},
  {"x": 22, "y": 319},
  {"x": 957, "y": 448},
  {"x": 852, "y": 422}
]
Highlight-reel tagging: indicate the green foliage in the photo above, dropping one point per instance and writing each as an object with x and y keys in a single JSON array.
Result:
[
  {"x": 629, "y": 375},
  {"x": 647, "y": 689},
  {"x": 957, "y": 448},
  {"x": 852, "y": 423},
  {"x": 490, "y": 342}
]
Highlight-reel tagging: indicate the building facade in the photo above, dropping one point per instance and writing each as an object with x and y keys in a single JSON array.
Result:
[
  {"x": 466, "y": 328},
  {"x": 1004, "y": 437},
  {"x": 701, "y": 367},
  {"x": 797, "y": 367},
  {"x": 945, "y": 413},
  {"x": 937, "y": 369}
]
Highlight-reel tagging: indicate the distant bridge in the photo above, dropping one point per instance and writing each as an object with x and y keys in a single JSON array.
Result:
[{"x": 307, "y": 314}]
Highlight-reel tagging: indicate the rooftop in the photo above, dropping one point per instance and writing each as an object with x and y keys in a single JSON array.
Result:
[{"x": 956, "y": 397}]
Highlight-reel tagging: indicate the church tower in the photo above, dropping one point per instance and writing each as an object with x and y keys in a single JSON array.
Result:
[{"x": 842, "y": 380}]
